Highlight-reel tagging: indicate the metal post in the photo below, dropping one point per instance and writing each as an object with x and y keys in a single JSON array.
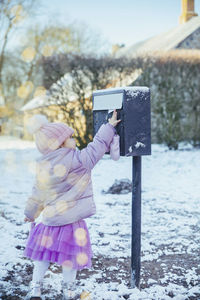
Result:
[{"x": 136, "y": 222}]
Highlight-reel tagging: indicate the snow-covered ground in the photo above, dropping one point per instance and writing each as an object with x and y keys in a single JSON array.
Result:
[{"x": 170, "y": 264}]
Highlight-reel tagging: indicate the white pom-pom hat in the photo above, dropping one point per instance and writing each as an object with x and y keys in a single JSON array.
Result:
[
  {"x": 48, "y": 136},
  {"x": 35, "y": 123}
]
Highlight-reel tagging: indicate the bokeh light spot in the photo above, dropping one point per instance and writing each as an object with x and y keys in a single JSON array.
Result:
[
  {"x": 81, "y": 243},
  {"x": 71, "y": 201},
  {"x": 68, "y": 264},
  {"x": 42, "y": 178},
  {"x": 59, "y": 170},
  {"x": 80, "y": 233},
  {"x": 42, "y": 173},
  {"x": 83, "y": 183},
  {"x": 28, "y": 54},
  {"x": 49, "y": 211},
  {"x": 61, "y": 207},
  {"x": 82, "y": 258},
  {"x": 44, "y": 240},
  {"x": 53, "y": 144},
  {"x": 81, "y": 236},
  {"x": 47, "y": 50},
  {"x": 25, "y": 89},
  {"x": 16, "y": 9},
  {"x": 18, "y": 13},
  {"x": 22, "y": 92},
  {"x": 44, "y": 165},
  {"x": 85, "y": 296},
  {"x": 17, "y": 19},
  {"x": 40, "y": 91}
]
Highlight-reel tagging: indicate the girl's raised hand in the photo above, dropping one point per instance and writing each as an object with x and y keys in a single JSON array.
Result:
[{"x": 113, "y": 121}]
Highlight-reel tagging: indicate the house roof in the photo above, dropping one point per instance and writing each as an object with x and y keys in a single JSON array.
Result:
[
  {"x": 51, "y": 97},
  {"x": 164, "y": 41},
  {"x": 36, "y": 102}
]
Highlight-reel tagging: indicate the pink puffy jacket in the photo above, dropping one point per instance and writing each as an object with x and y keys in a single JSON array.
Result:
[{"x": 63, "y": 189}]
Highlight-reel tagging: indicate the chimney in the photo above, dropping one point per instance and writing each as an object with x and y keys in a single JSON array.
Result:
[{"x": 187, "y": 12}]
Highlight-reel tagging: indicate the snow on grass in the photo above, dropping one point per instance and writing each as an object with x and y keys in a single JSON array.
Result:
[{"x": 170, "y": 226}]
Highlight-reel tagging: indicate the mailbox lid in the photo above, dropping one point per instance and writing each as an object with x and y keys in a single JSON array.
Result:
[{"x": 107, "y": 101}]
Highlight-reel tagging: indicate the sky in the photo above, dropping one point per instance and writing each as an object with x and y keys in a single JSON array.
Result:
[{"x": 120, "y": 21}]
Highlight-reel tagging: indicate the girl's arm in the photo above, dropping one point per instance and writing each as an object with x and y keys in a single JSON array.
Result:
[
  {"x": 95, "y": 150},
  {"x": 34, "y": 206}
]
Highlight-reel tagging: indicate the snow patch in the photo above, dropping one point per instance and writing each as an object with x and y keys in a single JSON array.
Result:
[
  {"x": 139, "y": 144},
  {"x": 130, "y": 149}
]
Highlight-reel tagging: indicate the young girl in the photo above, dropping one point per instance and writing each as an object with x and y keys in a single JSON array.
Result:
[{"x": 63, "y": 192}]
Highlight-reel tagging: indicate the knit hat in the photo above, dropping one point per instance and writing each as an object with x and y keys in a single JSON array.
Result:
[{"x": 48, "y": 136}]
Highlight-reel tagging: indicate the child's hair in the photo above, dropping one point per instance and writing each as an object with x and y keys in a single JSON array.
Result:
[{"x": 48, "y": 136}]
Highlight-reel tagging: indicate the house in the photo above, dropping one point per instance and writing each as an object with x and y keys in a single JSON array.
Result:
[{"x": 184, "y": 36}]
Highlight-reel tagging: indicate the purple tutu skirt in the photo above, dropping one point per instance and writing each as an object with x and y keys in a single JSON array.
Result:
[{"x": 68, "y": 245}]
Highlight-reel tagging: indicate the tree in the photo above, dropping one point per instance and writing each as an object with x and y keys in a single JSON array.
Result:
[
  {"x": 173, "y": 78},
  {"x": 71, "y": 80},
  {"x": 12, "y": 13},
  {"x": 51, "y": 40}
]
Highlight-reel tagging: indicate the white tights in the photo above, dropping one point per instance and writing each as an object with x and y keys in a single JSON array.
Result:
[{"x": 40, "y": 268}]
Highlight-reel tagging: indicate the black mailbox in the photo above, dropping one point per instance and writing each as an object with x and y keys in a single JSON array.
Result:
[{"x": 134, "y": 109}]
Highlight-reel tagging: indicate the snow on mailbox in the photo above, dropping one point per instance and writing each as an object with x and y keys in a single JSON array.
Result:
[{"x": 134, "y": 109}]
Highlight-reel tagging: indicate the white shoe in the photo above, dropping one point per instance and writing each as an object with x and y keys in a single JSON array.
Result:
[
  {"x": 35, "y": 290},
  {"x": 69, "y": 290}
]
